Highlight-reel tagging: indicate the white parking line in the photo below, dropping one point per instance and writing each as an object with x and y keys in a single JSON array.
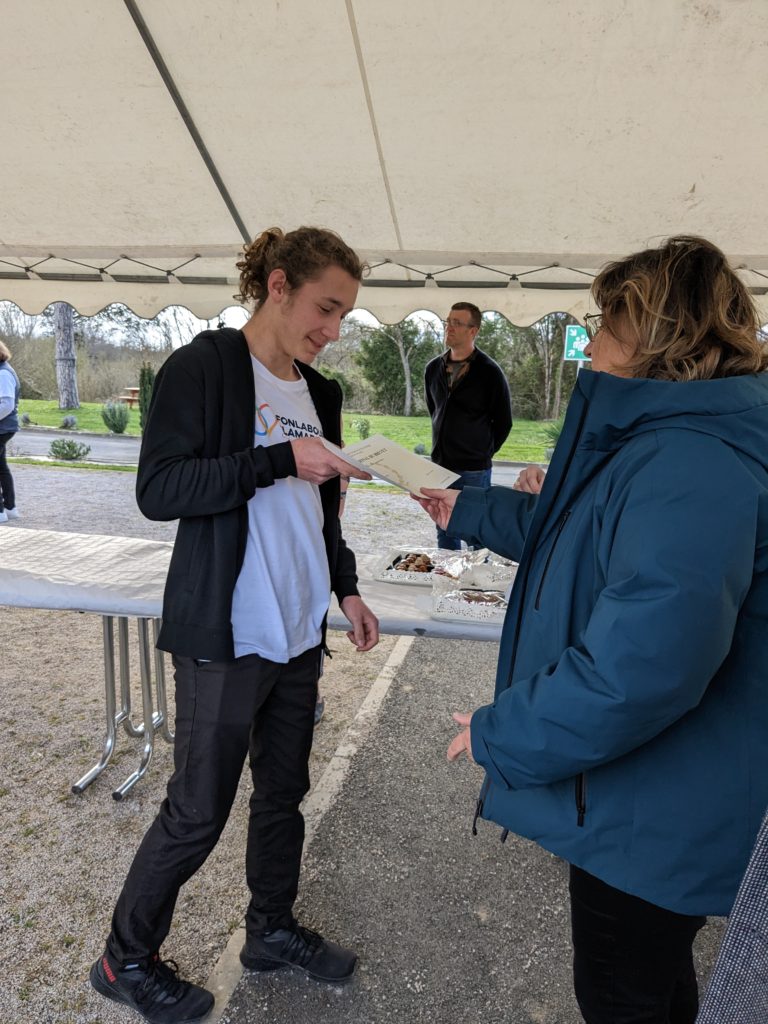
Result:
[{"x": 228, "y": 970}]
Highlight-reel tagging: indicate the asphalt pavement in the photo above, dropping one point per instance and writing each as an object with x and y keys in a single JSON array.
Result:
[
  {"x": 450, "y": 928},
  {"x": 118, "y": 449},
  {"x": 113, "y": 449}
]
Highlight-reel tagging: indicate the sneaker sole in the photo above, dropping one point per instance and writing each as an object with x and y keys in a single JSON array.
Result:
[
  {"x": 261, "y": 964},
  {"x": 105, "y": 989}
]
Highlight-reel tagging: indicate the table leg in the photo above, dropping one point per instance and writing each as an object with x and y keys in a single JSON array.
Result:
[
  {"x": 162, "y": 696},
  {"x": 150, "y": 719},
  {"x": 158, "y": 719},
  {"x": 124, "y": 714},
  {"x": 109, "y": 690}
]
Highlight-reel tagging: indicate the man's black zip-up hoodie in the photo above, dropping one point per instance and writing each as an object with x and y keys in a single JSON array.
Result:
[
  {"x": 198, "y": 465},
  {"x": 472, "y": 421}
]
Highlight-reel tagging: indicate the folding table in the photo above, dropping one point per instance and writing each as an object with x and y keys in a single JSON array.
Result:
[{"x": 123, "y": 578}]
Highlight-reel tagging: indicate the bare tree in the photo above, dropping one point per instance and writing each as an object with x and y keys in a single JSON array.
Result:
[
  {"x": 66, "y": 359},
  {"x": 15, "y": 325},
  {"x": 560, "y": 366},
  {"x": 545, "y": 340},
  {"x": 391, "y": 358},
  {"x": 176, "y": 325},
  {"x": 397, "y": 335}
]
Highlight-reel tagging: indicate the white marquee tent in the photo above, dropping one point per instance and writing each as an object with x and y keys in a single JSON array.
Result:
[{"x": 498, "y": 150}]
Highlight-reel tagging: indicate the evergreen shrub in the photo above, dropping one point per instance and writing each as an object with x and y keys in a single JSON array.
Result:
[
  {"x": 67, "y": 450},
  {"x": 362, "y": 426},
  {"x": 115, "y": 416},
  {"x": 146, "y": 383}
]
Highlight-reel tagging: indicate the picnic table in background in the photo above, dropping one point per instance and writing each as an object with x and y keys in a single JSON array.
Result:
[{"x": 130, "y": 396}]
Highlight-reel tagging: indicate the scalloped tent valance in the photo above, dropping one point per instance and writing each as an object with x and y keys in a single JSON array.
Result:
[{"x": 499, "y": 151}]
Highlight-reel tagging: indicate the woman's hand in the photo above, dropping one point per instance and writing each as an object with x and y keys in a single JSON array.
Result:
[
  {"x": 530, "y": 480},
  {"x": 438, "y": 503},
  {"x": 461, "y": 744}
]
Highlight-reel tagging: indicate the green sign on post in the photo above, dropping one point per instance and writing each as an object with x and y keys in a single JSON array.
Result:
[{"x": 576, "y": 341}]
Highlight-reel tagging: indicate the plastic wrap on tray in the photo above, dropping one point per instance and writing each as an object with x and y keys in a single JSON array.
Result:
[
  {"x": 446, "y": 569},
  {"x": 487, "y": 606},
  {"x": 474, "y": 570}
]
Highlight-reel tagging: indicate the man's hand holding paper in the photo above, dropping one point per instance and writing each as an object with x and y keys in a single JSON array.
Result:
[
  {"x": 318, "y": 461},
  {"x": 395, "y": 464}
]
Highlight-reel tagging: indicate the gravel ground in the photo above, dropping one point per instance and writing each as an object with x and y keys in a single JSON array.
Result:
[
  {"x": 404, "y": 854},
  {"x": 91, "y": 501},
  {"x": 63, "y": 857}
]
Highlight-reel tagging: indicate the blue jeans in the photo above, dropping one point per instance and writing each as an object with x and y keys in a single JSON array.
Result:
[{"x": 469, "y": 478}]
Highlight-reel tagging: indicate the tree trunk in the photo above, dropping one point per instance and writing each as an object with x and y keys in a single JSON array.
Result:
[
  {"x": 547, "y": 383},
  {"x": 400, "y": 342},
  {"x": 66, "y": 373},
  {"x": 558, "y": 385}
]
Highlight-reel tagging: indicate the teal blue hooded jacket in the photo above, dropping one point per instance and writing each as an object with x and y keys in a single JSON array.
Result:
[{"x": 629, "y": 729}]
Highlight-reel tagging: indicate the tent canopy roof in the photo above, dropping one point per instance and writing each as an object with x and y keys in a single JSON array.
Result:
[{"x": 499, "y": 151}]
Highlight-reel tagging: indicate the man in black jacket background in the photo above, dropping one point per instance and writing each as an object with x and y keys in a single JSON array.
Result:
[{"x": 468, "y": 399}]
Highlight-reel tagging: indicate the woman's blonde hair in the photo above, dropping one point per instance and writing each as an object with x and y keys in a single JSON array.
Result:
[
  {"x": 5, "y": 352},
  {"x": 686, "y": 310},
  {"x": 303, "y": 254}
]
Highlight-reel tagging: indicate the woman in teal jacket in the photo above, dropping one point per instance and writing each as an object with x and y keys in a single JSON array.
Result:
[{"x": 629, "y": 729}]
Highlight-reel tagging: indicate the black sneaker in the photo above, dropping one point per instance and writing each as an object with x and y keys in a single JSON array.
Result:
[
  {"x": 154, "y": 990},
  {"x": 300, "y": 948}
]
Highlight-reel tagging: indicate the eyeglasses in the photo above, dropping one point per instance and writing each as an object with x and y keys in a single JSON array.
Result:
[
  {"x": 592, "y": 324},
  {"x": 455, "y": 323}
]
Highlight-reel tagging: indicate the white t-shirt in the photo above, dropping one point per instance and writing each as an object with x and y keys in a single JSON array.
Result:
[{"x": 283, "y": 590}]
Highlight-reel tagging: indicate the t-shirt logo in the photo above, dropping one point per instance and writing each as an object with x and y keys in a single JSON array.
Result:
[{"x": 266, "y": 421}]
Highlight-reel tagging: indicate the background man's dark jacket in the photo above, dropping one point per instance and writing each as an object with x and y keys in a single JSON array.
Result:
[
  {"x": 198, "y": 465},
  {"x": 471, "y": 422}
]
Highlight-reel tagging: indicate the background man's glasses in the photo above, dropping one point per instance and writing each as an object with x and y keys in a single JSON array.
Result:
[
  {"x": 592, "y": 324},
  {"x": 454, "y": 323}
]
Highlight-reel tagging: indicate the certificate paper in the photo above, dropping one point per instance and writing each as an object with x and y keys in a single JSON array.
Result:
[{"x": 390, "y": 461}]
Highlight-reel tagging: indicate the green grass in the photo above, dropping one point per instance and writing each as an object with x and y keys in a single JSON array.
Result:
[
  {"x": 526, "y": 443},
  {"x": 28, "y": 460},
  {"x": 48, "y": 414}
]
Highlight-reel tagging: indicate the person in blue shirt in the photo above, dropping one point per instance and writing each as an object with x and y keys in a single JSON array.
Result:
[
  {"x": 629, "y": 729},
  {"x": 10, "y": 390}
]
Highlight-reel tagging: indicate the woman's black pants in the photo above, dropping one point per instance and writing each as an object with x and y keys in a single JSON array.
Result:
[
  {"x": 7, "y": 493},
  {"x": 633, "y": 961},
  {"x": 226, "y": 711}
]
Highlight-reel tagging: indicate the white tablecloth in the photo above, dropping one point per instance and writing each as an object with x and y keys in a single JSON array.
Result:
[{"x": 125, "y": 576}]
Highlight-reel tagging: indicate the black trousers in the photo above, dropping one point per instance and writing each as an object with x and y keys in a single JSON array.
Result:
[
  {"x": 633, "y": 961},
  {"x": 7, "y": 493},
  {"x": 225, "y": 711}
]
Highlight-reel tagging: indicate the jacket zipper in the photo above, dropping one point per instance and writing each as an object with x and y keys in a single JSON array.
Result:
[
  {"x": 560, "y": 526},
  {"x": 581, "y": 798},
  {"x": 479, "y": 805}
]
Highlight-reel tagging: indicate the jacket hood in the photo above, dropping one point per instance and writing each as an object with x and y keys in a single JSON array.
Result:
[{"x": 733, "y": 409}]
